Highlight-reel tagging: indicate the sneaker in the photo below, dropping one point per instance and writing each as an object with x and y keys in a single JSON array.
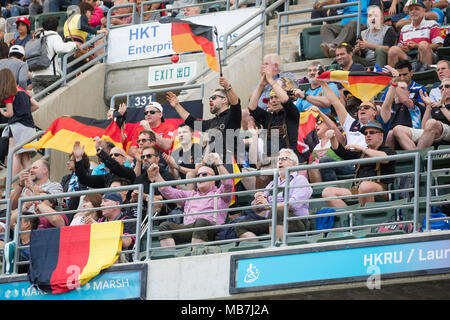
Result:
[
  {"x": 325, "y": 49},
  {"x": 332, "y": 52}
]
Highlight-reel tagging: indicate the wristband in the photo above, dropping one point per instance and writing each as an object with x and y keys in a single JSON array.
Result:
[{"x": 394, "y": 85}]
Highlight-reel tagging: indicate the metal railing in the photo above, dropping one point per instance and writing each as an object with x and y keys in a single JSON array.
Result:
[
  {"x": 333, "y": 18},
  {"x": 138, "y": 220}
]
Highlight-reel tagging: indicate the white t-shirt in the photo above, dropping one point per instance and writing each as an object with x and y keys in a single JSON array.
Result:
[{"x": 353, "y": 135}]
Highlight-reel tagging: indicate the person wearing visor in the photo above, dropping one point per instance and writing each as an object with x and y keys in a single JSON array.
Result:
[{"x": 373, "y": 133}]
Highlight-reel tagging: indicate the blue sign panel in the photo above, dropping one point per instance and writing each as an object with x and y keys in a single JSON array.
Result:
[
  {"x": 291, "y": 269},
  {"x": 110, "y": 285}
]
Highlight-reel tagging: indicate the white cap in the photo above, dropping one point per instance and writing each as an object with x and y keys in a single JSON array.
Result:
[
  {"x": 18, "y": 49},
  {"x": 156, "y": 105}
]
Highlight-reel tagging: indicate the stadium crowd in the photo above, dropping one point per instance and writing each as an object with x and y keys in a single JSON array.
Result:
[{"x": 406, "y": 117}]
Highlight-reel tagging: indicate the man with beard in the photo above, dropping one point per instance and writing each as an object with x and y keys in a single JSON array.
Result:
[
  {"x": 314, "y": 95},
  {"x": 421, "y": 35},
  {"x": 225, "y": 105},
  {"x": 376, "y": 40}
]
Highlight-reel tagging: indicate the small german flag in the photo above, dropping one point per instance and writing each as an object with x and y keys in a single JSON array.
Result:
[
  {"x": 362, "y": 84},
  {"x": 64, "y": 131},
  {"x": 190, "y": 37}
]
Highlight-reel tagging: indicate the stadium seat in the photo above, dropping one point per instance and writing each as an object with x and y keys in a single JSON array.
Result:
[
  {"x": 250, "y": 245},
  {"x": 384, "y": 213},
  {"x": 337, "y": 236},
  {"x": 426, "y": 77},
  {"x": 443, "y": 53},
  {"x": 163, "y": 254},
  {"x": 61, "y": 15},
  {"x": 297, "y": 240},
  {"x": 309, "y": 41}
]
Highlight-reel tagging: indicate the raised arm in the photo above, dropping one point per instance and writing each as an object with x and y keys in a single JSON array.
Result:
[{"x": 338, "y": 106}]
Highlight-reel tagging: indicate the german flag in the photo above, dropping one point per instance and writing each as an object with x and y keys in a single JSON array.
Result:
[
  {"x": 64, "y": 131},
  {"x": 307, "y": 140},
  {"x": 63, "y": 259},
  {"x": 362, "y": 84},
  {"x": 190, "y": 37}
]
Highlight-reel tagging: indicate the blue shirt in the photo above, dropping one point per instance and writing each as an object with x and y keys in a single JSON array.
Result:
[
  {"x": 303, "y": 105},
  {"x": 414, "y": 89},
  {"x": 354, "y": 9},
  {"x": 101, "y": 168}
]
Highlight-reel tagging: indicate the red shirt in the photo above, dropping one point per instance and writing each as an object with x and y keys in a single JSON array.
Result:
[{"x": 164, "y": 130}]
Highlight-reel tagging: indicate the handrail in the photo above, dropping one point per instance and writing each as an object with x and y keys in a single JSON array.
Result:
[
  {"x": 150, "y": 91},
  {"x": 138, "y": 219},
  {"x": 341, "y": 5}
]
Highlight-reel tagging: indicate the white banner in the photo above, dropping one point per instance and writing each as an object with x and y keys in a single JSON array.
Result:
[{"x": 151, "y": 40}]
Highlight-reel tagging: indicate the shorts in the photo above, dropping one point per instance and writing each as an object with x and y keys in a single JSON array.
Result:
[{"x": 445, "y": 136}]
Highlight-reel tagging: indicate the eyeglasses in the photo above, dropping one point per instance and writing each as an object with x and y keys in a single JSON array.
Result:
[
  {"x": 371, "y": 132},
  {"x": 446, "y": 86},
  {"x": 116, "y": 155},
  {"x": 150, "y": 112},
  {"x": 283, "y": 158},
  {"x": 202, "y": 174},
  {"x": 365, "y": 107},
  {"x": 214, "y": 96},
  {"x": 142, "y": 140},
  {"x": 147, "y": 156}
]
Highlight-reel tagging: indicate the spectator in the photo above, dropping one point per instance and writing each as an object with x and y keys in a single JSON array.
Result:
[
  {"x": 145, "y": 12},
  {"x": 281, "y": 119},
  {"x": 149, "y": 156},
  {"x": 44, "y": 207},
  {"x": 320, "y": 12},
  {"x": 19, "y": 106},
  {"x": 145, "y": 138},
  {"x": 121, "y": 11},
  {"x": 23, "y": 29},
  {"x": 225, "y": 105},
  {"x": 435, "y": 123},
  {"x": 57, "y": 5},
  {"x": 98, "y": 19},
  {"x": 375, "y": 40},
  {"x": 203, "y": 205},
  {"x": 114, "y": 161},
  {"x": 406, "y": 72},
  {"x": 70, "y": 181},
  {"x": 367, "y": 111},
  {"x": 403, "y": 114},
  {"x": 273, "y": 62},
  {"x": 183, "y": 159},
  {"x": 191, "y": 11},
  {"x": 373, "y": 132},
  {"x": 90, "y": 201},
  {"x": 286, "y": 159},
  {"x": 344, "y": 58},
  {"x": 431, "y": 13},
  {"x": 421, "y": 34},
  {"x": 154, "y": 121},
  {"x": 443, "y": 72},
  {"x": 335, "y": 34},
  {"x": 314, "y": 95},
  {"x": 322, "y": 152},
  {"x": 113, "y": 214},
  {"x": 15, "y": 62},
  {"x": 41, "y": 79},
  {"x": 34, "y": 181},
  {"x": 101, "y": 168},
  {"x": 125, "y": 194}
]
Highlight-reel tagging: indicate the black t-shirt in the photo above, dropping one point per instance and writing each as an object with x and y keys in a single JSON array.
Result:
[
  {"x": 228, "y": 119},
  {"x": 22, "y": 109},
  {"x": 188, "y": 159},
  {"x": 370, "y": 169},
  {"x": 288, "y": 137},
  {"x": 437, "y": 114},
  {"x": 401, "y": 115}
]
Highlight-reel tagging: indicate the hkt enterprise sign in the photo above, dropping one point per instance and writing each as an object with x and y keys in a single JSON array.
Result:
[
  {"x": 351, "y": 262},
  {"x": 119, "y": 282}
]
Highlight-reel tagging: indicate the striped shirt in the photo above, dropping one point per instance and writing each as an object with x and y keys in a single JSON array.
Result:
[{"x": 428, "y": 30}]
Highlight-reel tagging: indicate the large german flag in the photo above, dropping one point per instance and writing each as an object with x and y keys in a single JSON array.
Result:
[
  {"x": 190, "y": 37},
  {"x": 306, "y": 140},
  {"x": 362, "y": 84},
  {"x": 64, "y": 131},
  {"x": 63, "y": 259}
]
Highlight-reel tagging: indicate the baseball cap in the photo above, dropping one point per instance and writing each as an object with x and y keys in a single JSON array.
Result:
[
  {"x": 372, "y": 124},
  {"x": 24, "y": 20},
  {"x": 266, "y": 100},
  {"x": 415, "y": 2},
  {"x": 114, "y": 196},
  {"x": 156, "y": 105},
  {"x": 17, "y": 49}
]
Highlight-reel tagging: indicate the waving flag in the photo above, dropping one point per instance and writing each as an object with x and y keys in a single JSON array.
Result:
[
  {"x": 307, "y": 137},
  {"x": 63, "y": 259},
  {"x": 64, "y": 131},
  {"x": 190, "y": 37},
  {"x": 362, "y": 84}
]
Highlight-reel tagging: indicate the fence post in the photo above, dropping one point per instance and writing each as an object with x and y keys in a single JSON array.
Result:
[
  {"x": 274, "y": 207},
  {"x": 428, "y": 194}
]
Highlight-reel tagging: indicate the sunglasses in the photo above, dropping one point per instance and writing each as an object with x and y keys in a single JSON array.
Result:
[
  {"x": 202, "y": 174},
  {"x": 150, "y": 112},
  {"x": 147, "y": 156},
  {"x": 142, "y": 140},
  {"x": 365, "y": 107},
  {"x": 116, "y": 155},
  {"x": 214, "y": 96},
  {"x": 371, "y": 132},
  {"x": 446, "y": 86}
]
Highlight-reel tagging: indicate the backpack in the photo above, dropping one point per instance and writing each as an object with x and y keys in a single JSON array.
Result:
[
  {"x": 36, "y": 54},
  {"x": 441, "y": 224}
]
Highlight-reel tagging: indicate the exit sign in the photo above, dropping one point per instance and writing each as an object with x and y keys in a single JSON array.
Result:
[{"x": 171, "y": 73}]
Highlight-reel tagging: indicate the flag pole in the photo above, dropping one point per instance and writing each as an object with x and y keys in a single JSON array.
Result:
[{"x": 218, "y": 51}]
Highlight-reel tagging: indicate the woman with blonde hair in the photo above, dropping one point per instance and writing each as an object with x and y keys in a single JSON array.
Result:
[{"x": 19, "y": 106}]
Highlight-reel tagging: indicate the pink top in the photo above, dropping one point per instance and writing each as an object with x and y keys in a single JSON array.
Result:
[{"x": 202, "y": 205}]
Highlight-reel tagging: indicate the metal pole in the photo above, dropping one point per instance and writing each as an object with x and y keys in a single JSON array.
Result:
[
  {"x": 286, "y": 206},
  {"x": 150, "y": 221},
  {"x": 274, "y": 208},
  {"x": 428, "y": 194}
]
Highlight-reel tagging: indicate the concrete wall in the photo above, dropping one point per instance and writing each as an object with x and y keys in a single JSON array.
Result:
[{"x": 84, "y": 97}]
